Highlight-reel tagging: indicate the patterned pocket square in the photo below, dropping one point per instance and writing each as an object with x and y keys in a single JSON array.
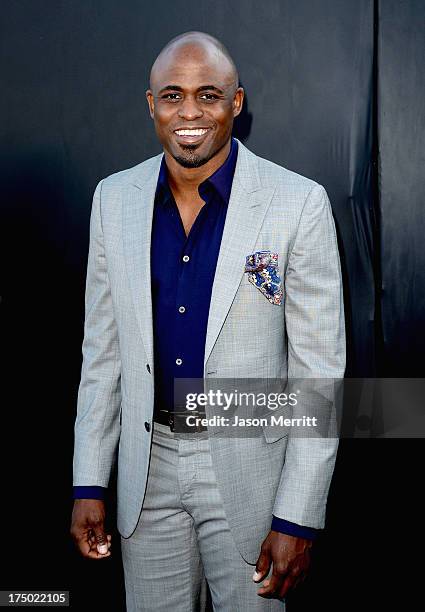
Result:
[{"x": 262, "y": 271}]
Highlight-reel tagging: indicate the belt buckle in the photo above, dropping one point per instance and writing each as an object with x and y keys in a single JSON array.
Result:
[{"x": 198, "y": 428}]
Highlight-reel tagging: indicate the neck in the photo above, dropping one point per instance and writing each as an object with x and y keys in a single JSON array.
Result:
[{"x": 187, "y": 180}]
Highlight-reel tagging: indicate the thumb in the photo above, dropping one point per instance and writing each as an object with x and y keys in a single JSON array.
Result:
[
  {"x": 263, "y": 566},
  {"x": 101, "y": 540}
]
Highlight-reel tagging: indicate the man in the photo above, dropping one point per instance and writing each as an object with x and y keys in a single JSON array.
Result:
[{"x": 204, "y": 261}]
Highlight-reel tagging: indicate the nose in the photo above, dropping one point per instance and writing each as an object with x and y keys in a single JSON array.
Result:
[{"x": 189, "y": 109}]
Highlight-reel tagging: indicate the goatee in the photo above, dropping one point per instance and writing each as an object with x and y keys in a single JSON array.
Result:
[{"x": 191, "y": 160}]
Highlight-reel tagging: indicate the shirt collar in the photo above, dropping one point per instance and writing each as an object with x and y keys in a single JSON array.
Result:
[{"x": 221, "y": 180}]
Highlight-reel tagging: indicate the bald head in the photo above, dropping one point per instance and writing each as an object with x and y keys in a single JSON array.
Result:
[
  {"x": 195, "y": 45},
  {"x": 193, "y": 99}
]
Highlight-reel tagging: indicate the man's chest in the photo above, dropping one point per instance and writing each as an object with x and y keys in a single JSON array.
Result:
[
  {"x": 188, "y": 212},
  {"x": 185, "y": 245}
]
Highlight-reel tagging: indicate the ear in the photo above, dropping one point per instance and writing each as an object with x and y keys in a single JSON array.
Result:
[
  {"x": 151, "y": 103},
  {"x": 238, "y": 101}
]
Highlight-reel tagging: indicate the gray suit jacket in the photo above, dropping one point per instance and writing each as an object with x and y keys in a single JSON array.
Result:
[{"x": 270, "y": 208}]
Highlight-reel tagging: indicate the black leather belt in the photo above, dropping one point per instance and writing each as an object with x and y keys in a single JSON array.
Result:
[{"x": 176, "y": 420}]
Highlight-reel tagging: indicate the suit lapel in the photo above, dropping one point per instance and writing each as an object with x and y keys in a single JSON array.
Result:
[
  {"x": 138, "y": 204},
  {"x": 247, "y": 207}
]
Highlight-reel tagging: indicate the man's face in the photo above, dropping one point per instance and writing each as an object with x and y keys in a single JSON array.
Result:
[{"x": 193, "y": 101}]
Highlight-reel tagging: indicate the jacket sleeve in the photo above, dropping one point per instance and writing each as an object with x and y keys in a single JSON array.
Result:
[
  {"x": 97, "y": 425},
  {"x": 314, "y": 316}
]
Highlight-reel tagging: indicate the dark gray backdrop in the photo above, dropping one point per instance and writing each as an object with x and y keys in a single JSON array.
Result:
[{"x": 334, "y": 90}]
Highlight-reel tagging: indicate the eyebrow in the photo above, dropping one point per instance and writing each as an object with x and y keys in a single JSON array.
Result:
[{"x": 202, "y": 88}]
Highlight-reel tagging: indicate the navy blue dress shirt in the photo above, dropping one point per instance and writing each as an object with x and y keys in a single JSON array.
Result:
[
  {"x": 182, "y": 270},
  {"x": 182, "y": 274}
]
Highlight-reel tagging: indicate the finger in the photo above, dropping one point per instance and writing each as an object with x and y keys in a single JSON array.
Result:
[
  {"x": 93, "y": 554},
  {"x": 262, "y": 567},
  {"x": 271, "y": 586},
  {"x": 88, "y": 547},
  {"x": 93, "y": 541},
  {"x": 287, "y": 585},
  {"x": 92, "y": 535},
  {"x": 299, "y": 580},
  {"x": 94, "y": 551},
  {"x": 101, "y": 540}
]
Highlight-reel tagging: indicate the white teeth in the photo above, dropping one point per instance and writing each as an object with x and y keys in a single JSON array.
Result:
[{"x": 191, "y": 132}]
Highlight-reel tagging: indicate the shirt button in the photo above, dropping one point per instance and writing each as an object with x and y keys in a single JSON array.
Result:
[
  {"x": 179, "y": 361},
  {"x": 182, "y": 309},
  {"x": 186, "y": 258}
]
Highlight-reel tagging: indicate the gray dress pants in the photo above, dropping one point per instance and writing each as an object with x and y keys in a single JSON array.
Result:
[{"x": 183, "y": 537}]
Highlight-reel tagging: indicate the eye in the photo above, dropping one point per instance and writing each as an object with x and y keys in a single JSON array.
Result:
[
  {"x": 171, "y": 97},
  {"x": 209, "y": 97}
]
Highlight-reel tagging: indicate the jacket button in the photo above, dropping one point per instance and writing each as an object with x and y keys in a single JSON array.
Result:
[
  {"x": 147, "y": 426},
  {"x": 148, "y": 368}
]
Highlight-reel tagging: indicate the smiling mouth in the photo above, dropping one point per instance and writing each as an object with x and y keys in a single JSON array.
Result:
[{"x": 191, "y": 135}]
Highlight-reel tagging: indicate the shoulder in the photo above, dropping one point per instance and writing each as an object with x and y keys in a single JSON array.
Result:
[
  {"x": 293, "y": 190},
  {"x": 283, "y": 177},
  {"x": 136, "y": 175},
  {"x": 290, "y": 189},
  {"x": 272, "y": 173}
]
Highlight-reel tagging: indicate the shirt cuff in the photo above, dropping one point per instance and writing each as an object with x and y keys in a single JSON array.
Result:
[
  {"x": 94, "y": 492},
  {"x": 299, "y": 531}
]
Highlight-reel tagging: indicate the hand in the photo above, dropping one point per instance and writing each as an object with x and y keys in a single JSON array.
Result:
[
  {"x": 291, "y": 559},
  {"x": 87, "y": 530}
]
